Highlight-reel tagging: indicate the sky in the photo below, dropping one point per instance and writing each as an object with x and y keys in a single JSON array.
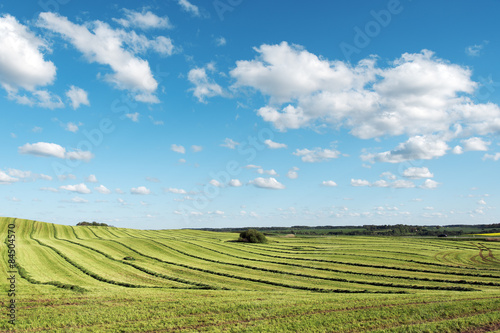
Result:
[{"x": 232, "y": 113}]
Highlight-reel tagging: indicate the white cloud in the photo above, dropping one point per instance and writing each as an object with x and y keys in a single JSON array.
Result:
[
  {"x": 106, "y": 46},
  {"x": 178, "y": 149},
  {"x": 22, "y": 63},
  {"x": 189, "y": 7},
  {"x": 142, "y": 190},
  {"x": 91, "y": 179},
  {"x": 475, "y": 144},
  {"x": 495, "y": 157},
  {"x": 329, "y": 183},
  {"x": 220, "y": 41},
  {"x": 417, "y": 94},
  {"x": 235, "y": 183},
  {"x": 475, "y": 50},
  {"x": 229, "y": 143},
  {"x": 80, "y": 188},
  {"x": 481, "y": 202},
  {"x": 78, "y": 97},
  {"x": 271, "y": 172},
  {"x": 215, "y": 183},
  {"x": 416, "y": 173},
  {"x": 316, "y": 155},
  {"x": 359, "y": 182},
  {"x": 196, "y": 148},
  {"x": 292, "y": 173},
  {"x": 145, "y": 20},
  {"x": 71, "y": 127},
  {"x": 457, "y": 150},
  {"x": 429, "y": 184},
  {"x": 268, "y": 183},
  {"x": 133, "y": 116},
  {"x": 102, "y": 189},
  {"x": 401, "y": 183},
  {"x": 415, "y": 148},
  {"x": 274, "y": 145},
  {"x": 176, "y": 190},
  {"x": 79, "y": 200},
  {"x": 6, "y": 179},
  {"x": 19, "y": 173},
  {"x": 204, "y": 86},
  {"x": 381, "y": 183}
]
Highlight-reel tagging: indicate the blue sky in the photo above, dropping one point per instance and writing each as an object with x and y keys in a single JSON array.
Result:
[{"x": 188, "y": 113}]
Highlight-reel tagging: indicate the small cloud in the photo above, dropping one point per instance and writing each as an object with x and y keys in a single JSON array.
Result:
[
  {"x": 176, "y": 190},
  {"x": 215, "y": 183},
  {"x": 292, "y": 173},
  {"x": 178, "y": 149},
  {"x": 37, "y": 129},
  {"x": 79, "y": 188},
  {"x": 274, "y": 145},
  {"x": 189, "y": 7},
  {"x": 457, "y": 150},
  {"x": 475, "y": 50},
  {"x": 71, "y": 127},
  {"x": 316, "y": 155},
  {"x": 495, "y": 157},
  {"x": 102, "y": 189},
  {"x": 429, "y": 184},
  {"x": 78, "y": 97},
  {"x": 79, "y": 200},
  {"x": 196, "y": 148},
  {"x": 359, "y": 182},
  {"x": 271, "y": 172},
  {"x": 145, "y": 20},
  {"x": 220, "y": 41},
  {"x": 133, "y": 116},
  {"x": 416, "y": 173},
  {"x": 45, "y": 149},
  {"x": 235, "y": 183},
  {"x": 267, "y": 183},
  {"x": 475, "y": 144},
  {"x": 329, "y": 183},
  {"x": 91, "y": 179},
  {"x": 229, "y": 143},
  {"x": 141, "y": 190},
  {"x": 152, "y": 179}
]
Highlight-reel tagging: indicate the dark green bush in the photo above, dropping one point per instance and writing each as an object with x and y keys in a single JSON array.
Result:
[{"x": 252, "y": 236}]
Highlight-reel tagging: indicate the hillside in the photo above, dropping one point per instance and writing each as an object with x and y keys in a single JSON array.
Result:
[{"x": 85, "y": 278}]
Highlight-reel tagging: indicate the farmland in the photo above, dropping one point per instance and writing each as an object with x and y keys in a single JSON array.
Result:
[{"x": 77, "y": 279}]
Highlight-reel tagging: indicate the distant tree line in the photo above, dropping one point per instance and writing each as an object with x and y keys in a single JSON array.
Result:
[{"x": 93, "y": 224}]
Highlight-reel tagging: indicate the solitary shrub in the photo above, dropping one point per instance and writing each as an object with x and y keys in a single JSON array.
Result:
[{"x": 252, "y": 236}]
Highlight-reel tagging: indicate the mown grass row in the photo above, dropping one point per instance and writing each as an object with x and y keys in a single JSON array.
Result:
[
  {"x": 278, "y": 284},
  {"x": 409, "y": 269},
  {"x": 479, "y": 283},
  {"x": 88, "y": 272},
  {"x": 142, "y": 269}
]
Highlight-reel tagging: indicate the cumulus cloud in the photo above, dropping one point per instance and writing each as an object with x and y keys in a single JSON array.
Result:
[
  {"x": 79, "y": 188},
  {"x": 115, "y": 48},
  {"x": 316, "y": 155},
  {"x": 417, "y": 94},
  {"x": 143, "y": 20},
  {"x": 91, "y": 179},
  {"x": 329, "y": 183},
  {"x": 141, "y": 190},
  {"x": 176, "y": 190},
  {"x": 78, "y": 97},
  {"x": 416, "y": 173},
  {"x": 215, "y": 183},
  {"x": 292, "y": 173},
  {"x": 274, "y": 145},
  {"x": 189, "y": 7},
  {"x": 204, "y": 86},
  {"x": 235, "y": 183},
  {"x": 359, "y": 182},
  {"x": 271, "y": 172},
  {"x": 6, "y": 179},
  {"x": 102, "y": 189},
  {"x": 22, "y": 63},
  {"x": 46, "y": 149},
  {"x": 415, "y": 148},
  {"x": 71, "y": 127},
  {"x": 196, "y": 149},
  {"x": 494, "y": 157},
  {"x": 475, "y": 144},
  {"x": 178, "y": 149},
  {"x": 429, "y": 184},
  {"x": 229, "y": 143},
  {"x": 267, "y": 183}
]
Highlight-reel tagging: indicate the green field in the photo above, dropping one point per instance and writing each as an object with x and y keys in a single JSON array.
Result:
[{"x": 75, "y": 279}]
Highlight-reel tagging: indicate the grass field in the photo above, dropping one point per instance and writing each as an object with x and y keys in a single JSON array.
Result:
[{"x": 75, "y": 279}]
